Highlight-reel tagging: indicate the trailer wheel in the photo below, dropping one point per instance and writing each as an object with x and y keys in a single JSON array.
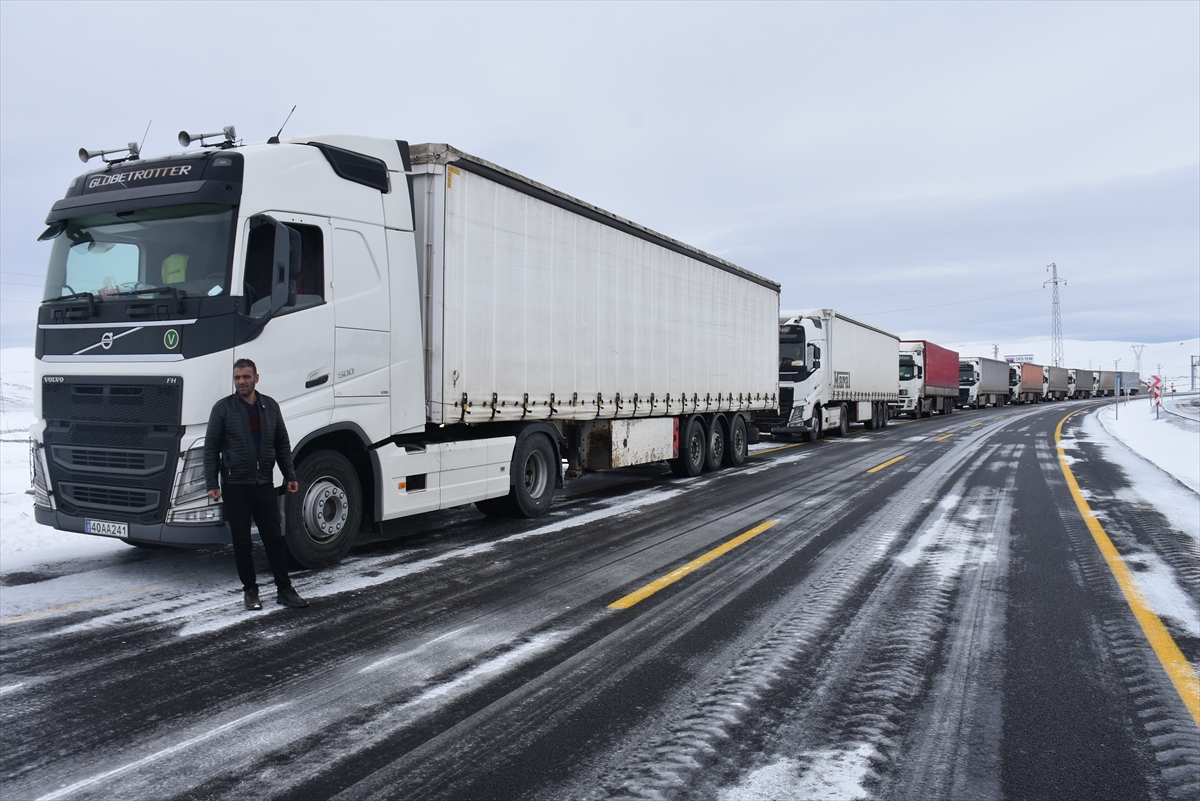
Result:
[
  {"x": 714, "y": 453},
  {"x": 692, "y": 449},
  {"x": 814, "y": 432},
  {"x": 533, "y": 471},
  {"x": 843, "y": 422},
  {"x": 885, "y": 412},
  {"x": 323, "y": 517},
  {"x": 737, "y": 446}
]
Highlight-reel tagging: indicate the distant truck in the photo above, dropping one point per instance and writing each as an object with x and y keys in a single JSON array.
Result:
[
  {"x": 1026, "y": 382},
  {"x": 1106, "y": 384},
  {"x": 1055, "y": 383},
  {"x": 928, "y": 379},
  {"x": 1080, "y": 384},
  {"x": 833, "y": 371},
  {"x": 1131, "y": 382},
  {"x": 982, "y": 382}
]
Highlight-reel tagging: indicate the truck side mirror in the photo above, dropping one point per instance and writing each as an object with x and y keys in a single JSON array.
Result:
[{"x": 281, "y": 267}]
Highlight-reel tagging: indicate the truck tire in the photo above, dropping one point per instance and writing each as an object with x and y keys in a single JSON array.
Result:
[
  {"x": 533, "y": 473},
  {"x": 885, "y": 412},
  {"x": 814, "y": 432},
  {"x": 737, "y": 444},
  {"x": 843, "y": 422},
  {"x": 692, "y": 448},
  {"x": 717, "y": 444},
  {"x": 323, "y": 517},
  {"x": 873, "y": 423}
]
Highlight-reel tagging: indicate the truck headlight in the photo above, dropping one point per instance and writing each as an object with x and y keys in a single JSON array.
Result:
[{"x": 191, "y": 479}]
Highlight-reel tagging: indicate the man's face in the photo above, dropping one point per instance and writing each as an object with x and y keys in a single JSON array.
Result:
[{"x": 244, "y": 380}]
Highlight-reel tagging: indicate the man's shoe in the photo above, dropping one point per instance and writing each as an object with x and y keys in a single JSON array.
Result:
[
  {"x": 250, "y": 598},
  {"x": 290, "y": 597}
]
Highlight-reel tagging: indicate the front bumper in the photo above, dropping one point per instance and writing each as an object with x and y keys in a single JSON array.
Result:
[{"x": 196, "y": 535}]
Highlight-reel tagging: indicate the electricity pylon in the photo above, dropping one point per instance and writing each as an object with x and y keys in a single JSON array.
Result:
[{"x": 1056, "y": 335}]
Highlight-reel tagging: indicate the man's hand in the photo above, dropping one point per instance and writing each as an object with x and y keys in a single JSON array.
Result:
[
  {"x": 293, "y": 486},
  {"x": 215, "y": 494}
]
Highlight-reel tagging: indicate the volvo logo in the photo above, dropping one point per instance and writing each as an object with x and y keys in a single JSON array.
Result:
[
  {"x": 106, "y": 340},
  {"x": 171, "y": 339}
]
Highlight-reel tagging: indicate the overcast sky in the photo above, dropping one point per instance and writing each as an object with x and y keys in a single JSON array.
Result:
[{"x": 913, "y": 165}]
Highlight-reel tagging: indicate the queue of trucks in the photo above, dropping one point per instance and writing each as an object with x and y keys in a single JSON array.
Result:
[{"x": 438, "y": 331}]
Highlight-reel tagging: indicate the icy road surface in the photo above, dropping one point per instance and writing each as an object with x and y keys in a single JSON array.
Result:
[{"x": 916, "y": 613}]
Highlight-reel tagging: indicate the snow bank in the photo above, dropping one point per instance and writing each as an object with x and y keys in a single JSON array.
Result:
[{"x": 1170, "y": 443}]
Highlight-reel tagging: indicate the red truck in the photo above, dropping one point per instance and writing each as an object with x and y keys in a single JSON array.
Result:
[{"x": 928, "y": 379}]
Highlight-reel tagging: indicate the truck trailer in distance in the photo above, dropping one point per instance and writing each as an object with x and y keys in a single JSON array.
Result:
[
  {"x": 982, "y": 382},
  {"x": 928, "y": 379},
  {"x": 833, "y": 371},
  {"x": 1055, "y": 383},
  {"x": 437, "y": 329},
  {"x": 1026, "y": 382},
  {"x": 1081, "y": 383},
  {"x": 1106, "y": 384}
]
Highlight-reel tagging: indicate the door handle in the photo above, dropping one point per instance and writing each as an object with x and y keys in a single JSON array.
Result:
[{"x": 316, "y": 382}]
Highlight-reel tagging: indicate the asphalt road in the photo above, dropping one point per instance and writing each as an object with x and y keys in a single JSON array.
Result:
[{"x": 919, "y": 612}]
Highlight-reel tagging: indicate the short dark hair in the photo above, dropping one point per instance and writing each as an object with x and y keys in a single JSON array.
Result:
[{"x": 245, "y": 363}]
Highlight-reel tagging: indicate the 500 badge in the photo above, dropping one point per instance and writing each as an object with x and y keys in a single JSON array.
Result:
[{"x": 171, "y": 339}]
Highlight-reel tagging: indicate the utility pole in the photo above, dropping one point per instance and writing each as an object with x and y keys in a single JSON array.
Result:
[
  {"x": 1056, "y": 334},
  {"x": 1117, "y": 389},
  {"x": 995, "y": 351}
]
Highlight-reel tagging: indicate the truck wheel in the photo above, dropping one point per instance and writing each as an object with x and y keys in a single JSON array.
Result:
[
  {"x": 323, "y": 517},
  {"x": 714, "y": 454},
  {"x": 533, "y": 471},
  {"x": 692, "y": 449},
  {"x": 885, "y": 412},
  {"x": 843, "y": 422},
  {"x": 737, "y": 446},
  {"x": 814, "y": 432},
  {"x": 873, "y": 423}
]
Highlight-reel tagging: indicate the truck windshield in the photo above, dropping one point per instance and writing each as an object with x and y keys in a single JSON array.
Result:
[
  {"x": 1014, "y": 377},
  {"x": 967, "y": 376},
  {"x": 792, "y": 366},
  {"x": 184, "y": 249},
  {"x": 908, "y": 369}
]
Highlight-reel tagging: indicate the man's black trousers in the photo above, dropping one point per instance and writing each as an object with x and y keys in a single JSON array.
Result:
[{"x": 260, "y": 502}]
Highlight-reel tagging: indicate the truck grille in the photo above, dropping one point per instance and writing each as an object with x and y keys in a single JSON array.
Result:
[
  {"x": 119, "y": 461},
  {"x": 113, "y": 444},
  {"x": 109, "y": 499}
]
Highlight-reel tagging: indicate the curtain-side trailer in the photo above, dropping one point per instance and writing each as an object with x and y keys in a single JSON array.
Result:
[
  {"x": 1081, "y": 383},
  {"x": 1055, "y": 382},
  {"x": 1026, "y": 382},
  {"x": 438, "y": 331}
]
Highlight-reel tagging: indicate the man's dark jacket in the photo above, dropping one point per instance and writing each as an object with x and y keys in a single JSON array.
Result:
[{"x": 229, "y": 437}]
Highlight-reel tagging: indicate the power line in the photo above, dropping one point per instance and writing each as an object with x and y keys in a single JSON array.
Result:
[{"x": 954, "y": 303}]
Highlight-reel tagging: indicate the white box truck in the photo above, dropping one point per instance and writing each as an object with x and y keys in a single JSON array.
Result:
[
  {"x": 1055, "y": 382},
  {"x": 833, "y": 371},
  {"x": 982, "y": 382},
  {"x": 438, "y": 331}
]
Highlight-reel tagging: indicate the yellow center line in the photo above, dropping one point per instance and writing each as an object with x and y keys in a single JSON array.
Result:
[
  {"x": 976, "y": 425},
  {"x": 1173, "y": 661},
  {"x": 947, "y": 436},
  {"x": 92, "y": 601},
  {"x": 888, "y": 463},
  {"x": 692, "y": 566}
]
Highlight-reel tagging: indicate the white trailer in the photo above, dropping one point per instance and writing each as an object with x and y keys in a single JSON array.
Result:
[
  {"x": 1106, "y": 384},
  {"x": 834, "y": 371},
  {"x": 438, "y": 330},
  {"x": 982, "y": 382},
  {"x": 1055, "y": 382}
]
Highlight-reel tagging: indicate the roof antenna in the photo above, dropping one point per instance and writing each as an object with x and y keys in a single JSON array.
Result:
[
  {"x": 143, "y": 144},
  {"x": 274, "y": 140}
]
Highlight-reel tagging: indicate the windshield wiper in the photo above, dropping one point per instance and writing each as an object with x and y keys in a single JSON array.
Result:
[{"x": 91, "y": 298}]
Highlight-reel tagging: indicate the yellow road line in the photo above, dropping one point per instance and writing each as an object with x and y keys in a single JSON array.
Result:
[
  {"x": 80, "y": 604},
  {"x": 692, "y": 566},
  {"x": 888, "y": 463},
  {"x": 947, "y": 436},
  {"x": 1173, "y": 661},
  {"x": 976, "y": 425}
]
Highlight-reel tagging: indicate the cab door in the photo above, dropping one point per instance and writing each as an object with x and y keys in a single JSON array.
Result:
[{"x": 294, "y": 352}]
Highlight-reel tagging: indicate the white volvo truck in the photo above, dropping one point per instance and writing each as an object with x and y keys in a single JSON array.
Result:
[
  {"x": 833, "y": 371},
  {"x": 438, "y": 330}
]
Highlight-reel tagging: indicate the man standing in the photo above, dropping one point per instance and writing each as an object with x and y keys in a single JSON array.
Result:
[{"x": 246, "y": 431}]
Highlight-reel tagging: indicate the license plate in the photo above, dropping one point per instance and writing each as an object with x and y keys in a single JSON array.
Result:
[{"x": 106, "y": 528}]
